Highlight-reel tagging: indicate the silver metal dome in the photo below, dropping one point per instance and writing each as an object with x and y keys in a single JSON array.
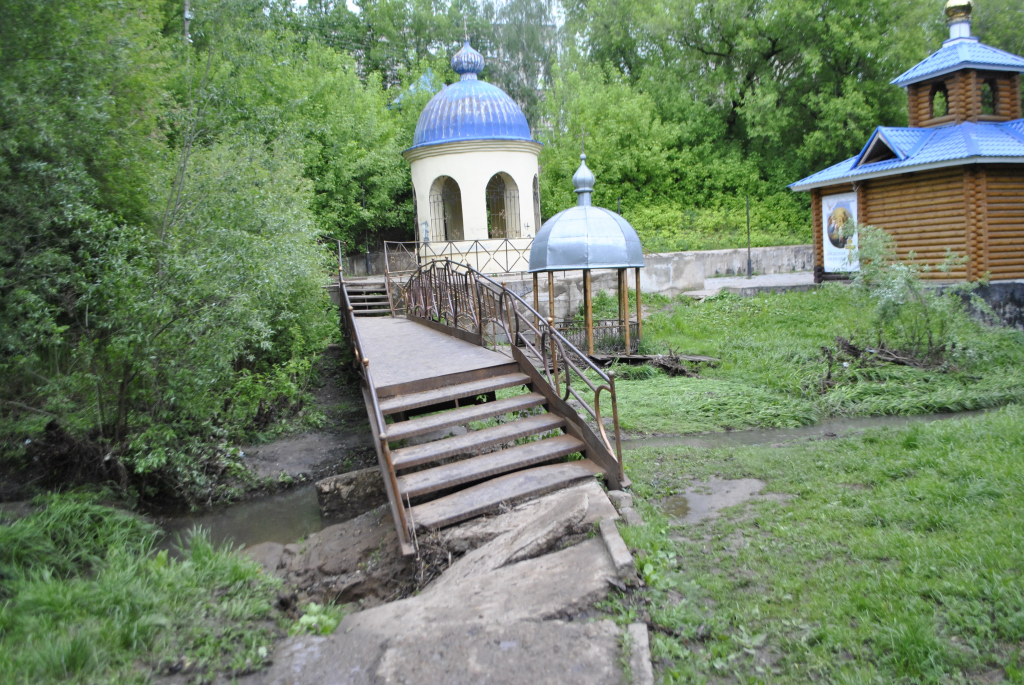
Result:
[{"x": 585, "y": 236}]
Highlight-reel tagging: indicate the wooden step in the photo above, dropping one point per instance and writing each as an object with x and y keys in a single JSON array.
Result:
[
  {"x": 462, "y": 415},
  {"x": 487, "y": 496},
  {"x": 474, "y": 441},
  {"x": 487, "y": 465},
  {"x": 451, "y": 392}
]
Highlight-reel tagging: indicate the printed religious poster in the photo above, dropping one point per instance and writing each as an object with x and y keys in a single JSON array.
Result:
[{"x": 840, "y": 249}]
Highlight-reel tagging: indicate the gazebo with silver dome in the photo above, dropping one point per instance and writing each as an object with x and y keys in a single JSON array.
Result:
[{"x": 585, "y": 238}]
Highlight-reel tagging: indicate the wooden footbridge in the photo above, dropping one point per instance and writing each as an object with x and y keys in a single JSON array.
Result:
[{"x": 474, "y": 398}]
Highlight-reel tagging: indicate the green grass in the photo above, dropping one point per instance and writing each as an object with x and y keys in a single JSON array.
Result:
[
  {"x": 772, "y": 365},
  {"x": 85, "y": 598},
  {"x": 897, "y": 557}
]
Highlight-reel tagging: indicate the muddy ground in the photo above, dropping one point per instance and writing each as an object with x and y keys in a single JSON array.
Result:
[{"x": 343, "y": 444}]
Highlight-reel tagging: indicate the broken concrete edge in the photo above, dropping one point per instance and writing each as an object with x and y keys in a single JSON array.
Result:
[
  {"x": 640, "y": 667},
  {"x": 623, "y": 502},
  {"x": 617, "y": 549}
]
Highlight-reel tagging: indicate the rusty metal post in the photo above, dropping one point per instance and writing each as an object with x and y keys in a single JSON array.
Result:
[
  {"x": 588, "y": 311},
  {"x": 615, "y": 421},
  {"x": 554, "y": 355}
]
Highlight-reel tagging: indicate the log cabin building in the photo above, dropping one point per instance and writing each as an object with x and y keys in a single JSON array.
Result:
[{"x": 952, "y": 180}]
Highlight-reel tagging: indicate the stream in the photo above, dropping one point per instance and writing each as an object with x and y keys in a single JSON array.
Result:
[{"x": 292, "y": 514}]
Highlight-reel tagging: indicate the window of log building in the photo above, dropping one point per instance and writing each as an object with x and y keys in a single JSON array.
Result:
[
  {"x": 940, "y": 101},
  {"x": 988, "y": 97}
]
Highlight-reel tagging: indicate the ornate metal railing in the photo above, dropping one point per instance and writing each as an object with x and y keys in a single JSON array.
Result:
[
  {"x": 494, "y": 256},
  {"x": 609, "y": 336},
  {"x": 462, "y": 298}
]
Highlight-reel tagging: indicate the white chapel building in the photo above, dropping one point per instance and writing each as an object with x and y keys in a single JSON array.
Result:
[{"x": 475, "y": 173}]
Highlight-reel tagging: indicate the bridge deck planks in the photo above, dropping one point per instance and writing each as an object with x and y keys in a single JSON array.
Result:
[{"x": 402, "y": 351}]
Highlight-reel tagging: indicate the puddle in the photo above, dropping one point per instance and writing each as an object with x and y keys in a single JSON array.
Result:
[
  {"x": 675, "y": 507},
  {"x": 704, "y": 500},
  {"x": 283, "y": 517},
  {"x": 767, "y": 436}
]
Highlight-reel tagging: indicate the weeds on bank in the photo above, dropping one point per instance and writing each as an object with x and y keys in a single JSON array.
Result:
[
  {"x": 772, "y": 365},
  {"x": 895, "y": 558},
  {"x": 85, "y": 597}
]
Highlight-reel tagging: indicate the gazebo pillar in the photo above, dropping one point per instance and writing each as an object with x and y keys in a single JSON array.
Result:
[
  {"x": 588, "y": 311},
  {"x": 639, "y": 309},
  {"x": 624, "y": 305}
]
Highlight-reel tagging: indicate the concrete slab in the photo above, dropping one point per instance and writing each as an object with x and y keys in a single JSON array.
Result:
[
  {"x": 489, "y": 618},
  {"x": 545, "y": 653}
]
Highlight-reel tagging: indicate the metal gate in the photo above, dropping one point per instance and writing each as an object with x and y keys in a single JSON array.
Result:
[{"x": 502, "y": 209}]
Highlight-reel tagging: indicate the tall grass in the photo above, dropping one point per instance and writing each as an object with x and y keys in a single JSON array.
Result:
[
  {"x": 772, "y": 365},
  {"x": 86, "y": 598}
]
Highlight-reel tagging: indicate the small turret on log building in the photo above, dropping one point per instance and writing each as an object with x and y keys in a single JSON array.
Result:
[{"x": 952, "y": 180}]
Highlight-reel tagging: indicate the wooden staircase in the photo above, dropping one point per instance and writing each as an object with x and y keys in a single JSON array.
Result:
[
  {"x": 531, "y": 418},
  {"x": 368, "y": 298},
  {"x": 511, "y": 457}
]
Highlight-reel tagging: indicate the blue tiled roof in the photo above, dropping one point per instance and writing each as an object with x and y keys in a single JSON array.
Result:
[
  {"x": 932, "y": 146},
  {"x": 470, "y": 109},
  {"x": 960, "y": 53}
]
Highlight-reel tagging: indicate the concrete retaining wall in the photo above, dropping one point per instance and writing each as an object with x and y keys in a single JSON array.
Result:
[{"x": 764, "y": 260}]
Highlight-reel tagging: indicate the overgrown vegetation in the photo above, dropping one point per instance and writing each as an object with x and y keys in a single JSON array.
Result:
[
  {"x": 165, "y": 182},
  {"x": 781, "y": 366},
  {"x": 86, "y": 597},
  {"x": 892, "y": 557}
]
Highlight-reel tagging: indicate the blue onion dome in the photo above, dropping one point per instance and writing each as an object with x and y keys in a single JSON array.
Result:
[
  {"x": 467, "y": 62},
  {"x": 470, "y": 109},
  {"x": 585, "y": 236}
]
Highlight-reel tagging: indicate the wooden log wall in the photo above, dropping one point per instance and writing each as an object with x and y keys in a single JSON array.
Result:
[
  {"x": 924, "y": 212},
  {"x": 1004, "y": 210},
  {"x": 975, "y": 225},
  {"x": 1016, "y": 107},
  {"x": 963, "y": 89}
]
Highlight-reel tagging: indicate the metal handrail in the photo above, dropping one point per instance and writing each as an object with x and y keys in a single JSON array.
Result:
[
  {"x": 435, "y": 291},
  {"x": 362, "y": 365}
]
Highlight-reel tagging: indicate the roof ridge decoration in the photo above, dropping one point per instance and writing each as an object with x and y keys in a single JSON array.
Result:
[
  {"x": 960, "y": 51},
  {"x": 467, "y": 62},
  {"x": 583, "y": 181}
]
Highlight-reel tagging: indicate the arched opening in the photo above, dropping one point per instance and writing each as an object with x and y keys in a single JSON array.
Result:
[
  {"x": 502, "y": 207},
  {"x": 940, "y": 101},
  {"x": 989, "y": 97},
  {"x": 445, "y": 210},
  {"x": 536, "y": 204}
]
